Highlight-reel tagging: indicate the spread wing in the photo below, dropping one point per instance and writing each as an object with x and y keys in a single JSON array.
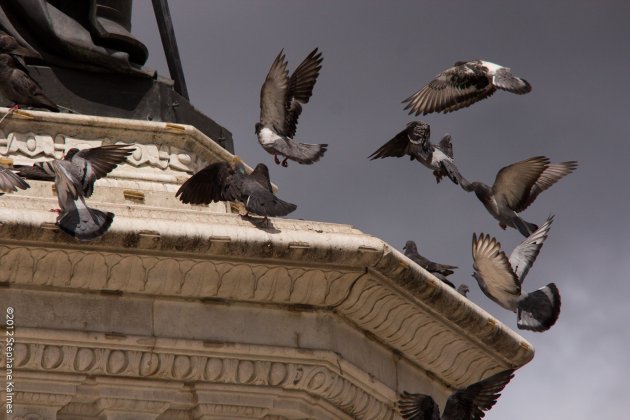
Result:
[
  {"x": 472, "y": 401},
  {"x": 301, "y": 85},
  {"x": 10, "y": 182},
  {"x": 514, "y": 182},
  {"x": 552, "y": 174},
  {"x": 408, "y": 141},
  {"x": 494, "y": 272},
  {"x": 418, "y": 407},
  {"x": 273, "y": 96},
  {"x": 524, "y": 255},
  {"x": 216, "y": 182},
  {"x": 457, "y": 87}
]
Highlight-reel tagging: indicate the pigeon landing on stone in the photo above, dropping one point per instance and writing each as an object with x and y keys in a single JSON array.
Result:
[
  {"x": 516, "y": 187},
  {"x": 414, "y": 141},
  {"x": 462, "y": 85},
  {"x": 223, "y": 181},
  {"x": 74, "y": 178},
  {"x": 438, "y": 270},
  {"x": 469, "y": 403},
  {"x": 281, "y": 97},
  {"x": 20, "y": 88},
  {"x": 501, "y": 279}
]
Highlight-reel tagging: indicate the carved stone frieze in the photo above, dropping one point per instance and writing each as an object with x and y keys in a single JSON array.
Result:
[{"x": 312, "y": 375}]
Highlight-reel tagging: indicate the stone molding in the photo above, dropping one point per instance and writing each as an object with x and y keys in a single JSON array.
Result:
[{"x": 317, "y": 373}]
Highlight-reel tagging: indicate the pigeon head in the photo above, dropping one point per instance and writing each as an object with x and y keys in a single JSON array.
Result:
[
  {"x": 419, "y": 131},
  {"x": 70, "y": 153},
  {"x": 463, "y": 289},
  {"x": 410, "y": 246}
]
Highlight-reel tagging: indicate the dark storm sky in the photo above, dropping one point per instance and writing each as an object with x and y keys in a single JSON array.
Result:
[{"x": 576, "y": 55}]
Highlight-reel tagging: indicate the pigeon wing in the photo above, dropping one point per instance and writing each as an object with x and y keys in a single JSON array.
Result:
[
  {"x": 505, "y": 80},
  {"x": 401, "y": 145},
  {"x": 446, "y": 146},
  {"x": 552, "y": 174},
  {"x": 300, "y": 89},
  {"x": 472, "y": 401},
  {"x": 258, "y": 199},
  {"x": 97, "y": 162},
  {"x": 10, "y": 182},
  {"x": 42, "y": 171},
  {"x": 493, "y": 271},
  {"x": 67, "y": 186},
  {"x": 514, "y": 182},
  {"x": 418, "y": 407},
  {"x": 524, "y": 255},
  {"x": 455, "y": 88},
  {"x": 273, "y": 96},
  {"x": 209, "y": 185}
]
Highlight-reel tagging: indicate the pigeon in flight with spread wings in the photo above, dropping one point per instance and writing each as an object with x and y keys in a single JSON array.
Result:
[
  {"x": 74, "y": 177},
  {"x": 516, "y": 187},
  {"x": 281, "y": 97},
  {"x": 462, "y": 85},
  {"x": 438, "y": 270},
  {"x": 20, "y": 88},
  {"x": 227, "y": 181},
  {"x": 414, "y": 141},
  {"x": 469, "y": 403},
  {"x": 501, "y": 278}
]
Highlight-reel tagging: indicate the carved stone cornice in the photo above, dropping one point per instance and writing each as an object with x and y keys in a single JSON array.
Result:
[{"x": 317, "y": 373}]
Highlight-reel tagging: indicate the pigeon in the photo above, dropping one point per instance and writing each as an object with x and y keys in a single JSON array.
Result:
[
  {"x": 10, "y": 182},
  {"x": 281, "y": 97},
  {"x": 501, "y": 279},
  {"x": 223, "y": 181},
  {"x": 516, "y": 187},
  {"x": 462, "y": 85},
  {"x": 438, "y": 270},
  {"x": 469, "y": 403},
  {"x": 414, "y": 141},
  {"x": 463, "y": 289},
  {"x": 9, "y": 45},
  {"x": 74, "y": 178},
  {"x": 17, "y": 86}
]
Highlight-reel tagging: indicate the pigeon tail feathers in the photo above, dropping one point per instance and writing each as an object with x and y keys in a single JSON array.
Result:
[
  {"x": 525, "y": 228},
  {"x": 85, "y": 223},
  {"x": 538, "y": 311}
]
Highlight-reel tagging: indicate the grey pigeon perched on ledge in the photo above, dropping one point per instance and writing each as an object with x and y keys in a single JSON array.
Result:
[
  {"x": 74, "y": 178},
  {"x": 438, "y": 270},
  {"x": 462, "y": 85},
  {"x": 469, "y": 403},
  {"x": 20, "y": 88},
  {"x": 281, "y": 97},
  {"x": 516, "y": 187},
  {"x": 414, "y": 141},
  {"x": 501, "y": 279},
  {"x": 223, "y": 181}
]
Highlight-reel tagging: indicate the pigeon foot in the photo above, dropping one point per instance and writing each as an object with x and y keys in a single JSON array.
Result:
[
  {"x": 285, "y": 163},
  {"x": 275, "y": 159}
]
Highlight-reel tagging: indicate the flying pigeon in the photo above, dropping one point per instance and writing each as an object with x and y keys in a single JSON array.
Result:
[
  {"x": 501, "y": 279},
  {"x": 223, "y": 181},
  {"x": 17, "y": 86},
  {"x": 74, "y": 178},
  {"x": 462, "y": 85},
  {"x": 469, "y": 403},
  {"x": 516, "y": 187},
  {"x": 10, "y": 182},
  {"x": 414, "y": 141},
  {"x": 463, "y": 289},
  {"x": 281, "y": 97},
  {"x": 438, "y": 270}
]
